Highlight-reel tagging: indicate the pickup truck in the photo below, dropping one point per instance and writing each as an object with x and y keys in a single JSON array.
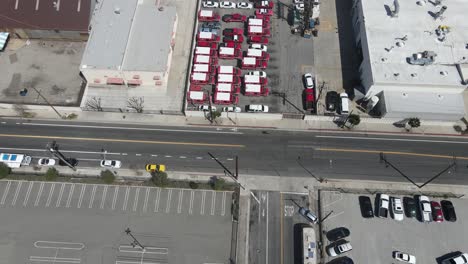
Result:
[{"x": 382, "y": 209}]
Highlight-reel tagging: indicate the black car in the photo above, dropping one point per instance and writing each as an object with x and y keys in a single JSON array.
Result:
[
  {"x": 448, "y": 210},
  {"x": 337, "y": 233},
  {"x": 366, "y": 207},
  {"x": 72, "y": 162},
  {"x": 214, "y": 25},
  {"x": 332, "y": 100},
  {"x": 342, "y": 260},
  {"x": 410, "y": 207}
]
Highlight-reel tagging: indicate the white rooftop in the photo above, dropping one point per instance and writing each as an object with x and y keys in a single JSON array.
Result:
[{"x": 415, "y": 28}]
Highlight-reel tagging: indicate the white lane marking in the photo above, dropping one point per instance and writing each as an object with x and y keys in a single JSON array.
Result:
[
  {"x": 93, "y": 193},
  {"x": 51, "y": 192},
  {"x": 138, "y": 154},
  {"x": 59, "y": 198},
  {"x": 168, "y": 156},
  {"x": 158, "y": 195},
  {"x": 5, "y": 193},
  {"x": 179, "y": 204},
  {"x": 266, "y": 246},
  {"x": 230, "y": 159},
  {"x": 182, "y": 157},
  {"x": 54, "y": 259},
  {"x": 199, "y": 158},
  {"x": 124, "y": 154},
  {"x": 26, "y": 198},
  {"x": 70, "y": 194},
  {"x": 223, "y": 204},
  {"x": 83, "y": 188},
  {"x": 192, "y": 194},
  {"x": 58, "y": 245},
  {"x": 202, "y": 204},
  {"x": 5, "y": 122},
  {"x": 124, "y": 207},
  {"x": 39, "y": 193},
  {"x": 135, "y": 201},
  {"x": 148, "y": 250},
  {"x": 397, "y": 139},
  {"x": 68, "y": 151},
  {"x": 213, "y": 202},
  {"x": 18, "y": 188},
  {"x": 145, "y": 203},
  {"x": 114, "y": 199},
  {"x": 153, "y": 155},
  {"x": 103, "y": 197},
  {"x": 19, "y": 123},
  {"x": 132, "y": 128},
  {"x": 168, "y": 202}
]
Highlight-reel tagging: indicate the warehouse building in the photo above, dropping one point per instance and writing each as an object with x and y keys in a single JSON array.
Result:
[{"x": 413, "y": 57}]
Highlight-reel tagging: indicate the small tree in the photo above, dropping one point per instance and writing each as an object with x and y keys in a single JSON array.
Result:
[
  {"x": 107, "y": 176},
  {"x": 218, "y": 183},
  {"x": 4, "y": 170},
  {"x": 193, "y": 185},
  {"x": 159, "y": 179},
  {"x": 136, "y": 103},
  {"x": 414, "y": 122},
  {"x": 354, "y": 120},
  {"x": 51, "y": 174}
]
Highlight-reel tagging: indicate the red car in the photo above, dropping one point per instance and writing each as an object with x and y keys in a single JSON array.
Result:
[
  {"x": 211, "y": 45},
  {"x": 258, "y": 39},
  {"x": 264, "y": 4},
  {"x": 232, "y": 44},
  {"x": 234, "y": 18},
  {"x": 207, "y": 16},
  {"x": 233, "y": 31},
  {"x": 437, "y": 212},
  {"x": 264, "y": 12},
  {"x": 265, "y": 18},
  {"x": 233, "y": 38}
]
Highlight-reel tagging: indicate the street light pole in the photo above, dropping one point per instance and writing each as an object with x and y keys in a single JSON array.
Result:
[{"x": 39, "y": 93}]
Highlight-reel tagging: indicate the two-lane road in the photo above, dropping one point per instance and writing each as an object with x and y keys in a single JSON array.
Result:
[{"x": 263, "y": 152}]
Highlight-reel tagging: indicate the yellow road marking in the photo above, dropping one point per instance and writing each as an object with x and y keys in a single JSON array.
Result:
[
  {"x": 281, "y": 227},
  {"x": 126, "y": 141},
  {"x": 391, "y": 153}
]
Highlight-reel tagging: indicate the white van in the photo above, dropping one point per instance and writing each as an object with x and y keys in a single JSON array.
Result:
[{"x": 344, "y": 103}]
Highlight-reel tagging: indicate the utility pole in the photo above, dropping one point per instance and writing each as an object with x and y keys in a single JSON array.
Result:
[
  {"x": 53, "y": 148},
  {"x": 45, "y": 99}
]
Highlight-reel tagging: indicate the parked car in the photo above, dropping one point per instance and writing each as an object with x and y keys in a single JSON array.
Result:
[
  {"x": 233, "y": 31},
  {"x": 366, "y": 207},
  {"x": 234, "y": 109},
  {"x": 214, "y": 25},
  {"x": 298, "y": 1},
  {"x": 234, "y": 18},
  {"x": 342, "y": 260},
  {"x": 397, "y": 208},
  {"x": 461, "y": 258},
  {"x": 227, "y": 4},
  {"x": 244, "y": 5},
  {"x": 211, "y": 4},
  {"x": 337, "y": 233},
  {"x": 259, "y": 47},
  {"x": 206, "y": 108},
  {"x": 155, "y": 167},
  {"x": 308, "y": 215},
  {"x": 261, "y": 74},
  {"x": 264, "y": 4},
  {"x": 383, "y": 205},
  {"x": 233, "y": 38},
  {"x": 308, "y": 81},
  {"x": 410, "y": 207},
  {"x": 258, "y": 39},
  {"x": 46, "y": 162},
  {"x": 425, "y": 208},
  {"x": 209, "y": 29},
  {"x": 437, "y": 215},
  {"x": 344, "y": 104},
  {"x": 332, "y": 100},
  {"x": 449, "y": 211},
  {"x": 404, "y": 257},
  {"x": 339, "y": 247},
  {"x": 71, "y": 161},
  {"x": 114, "y": 164},
  {"x": 264, "y": 11},
  {"x": 257, "y": 108}
]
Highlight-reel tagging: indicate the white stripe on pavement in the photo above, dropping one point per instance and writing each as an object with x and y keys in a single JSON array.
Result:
[{"x": 397, "y": 139}]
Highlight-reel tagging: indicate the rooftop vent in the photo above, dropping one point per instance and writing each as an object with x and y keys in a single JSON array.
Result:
[
  {"x": 440, "y": 12},
  {"x": 422, "y": 58},
  {"x": 436, "y": 2},
  {"x": 396, "y": 9},
  {"x": 117, "y": 10},
  {"x": 444, "y": 73}
]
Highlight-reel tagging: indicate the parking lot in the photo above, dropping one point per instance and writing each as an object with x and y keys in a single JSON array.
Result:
[
  {"x": 374, "y": 239},
  {"x": 85, "y": 223}
]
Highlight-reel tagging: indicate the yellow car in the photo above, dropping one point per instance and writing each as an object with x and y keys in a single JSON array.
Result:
[{"x": 155, "y": 167}]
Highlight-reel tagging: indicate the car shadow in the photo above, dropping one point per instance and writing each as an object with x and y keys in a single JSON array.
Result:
[{"x": 446, "y": 256}]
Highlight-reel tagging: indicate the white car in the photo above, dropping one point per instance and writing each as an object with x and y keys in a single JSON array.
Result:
[
  {"x": 300, "y": 7},
  {"x": 425, "y": 209},
  {"x": 459, "y": 259},
  {"x": 258, "y": 73},
  {"x": 257, "y": 108},
  {"x": 111, "y": 164},
  {"x": 206, "y": 108},
  {"x": 309, "y": 81},
  {"x": 234, "y": 109},
  {"x": 404, "y": 257},
  {"x": 46, "y": 162},
  {"x": 397, "y": 208},
  {"x": 211, "y": 4},
  {"x": 341, "y": 247},
  {"x": 259, "y": 47},
  {"x": 244, "y": 5},
  {"x": 298, "y": 1},
  {"x": 227, "y": 4}
]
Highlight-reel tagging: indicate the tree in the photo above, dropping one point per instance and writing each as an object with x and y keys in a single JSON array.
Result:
[
  {"x": 159, "y": 178},
  {"x": 354, "y": 120},
  {"x": 107, "y": 176},
  {"x": 136, "y": 103},
  {"x": 218, "y": 183},
  {"x": 414, "y": 122},
  {"x": 193, "y": 185},
  {"x": 4, "y": 170},
  {"x": 94, "y": 104},
  {"x": 51, "y": 174}
]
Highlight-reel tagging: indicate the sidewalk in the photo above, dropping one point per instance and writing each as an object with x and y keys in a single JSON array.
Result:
[{"x": 242, "y": 120}]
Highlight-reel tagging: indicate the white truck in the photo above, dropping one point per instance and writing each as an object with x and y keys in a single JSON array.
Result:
[{"x": 15, "y": 160}]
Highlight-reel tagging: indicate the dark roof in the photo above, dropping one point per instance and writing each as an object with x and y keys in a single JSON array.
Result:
[{"x": 71, "y": 15}]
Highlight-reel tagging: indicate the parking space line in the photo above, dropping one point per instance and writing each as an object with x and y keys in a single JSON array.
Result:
[
  {"x": 156, "y": 205},
  {"x": 5, "y": 193},
  {"x": 192, "y": 194},
  {"x": 135, "y": 201},
  {"x": 179, "y": 204},
  {"x": 213, "y": 202},
  {"x": 39, "y": 193},
  {"x": 70, "y": 194},
  {"x": 223, "y": 204},
  {"x": 168, "y": 202},
  {"x": 145, "y": 203},
  {"x": 103, "y": 197},
  {"x": 126, "y": 199},
  {"x": 51, "y": 192},
  {"x": 60, "y": 195},
  {"x": 28, "y": 192},
  {"x": 54, "y": 259},
  {"x": 83, "y": 188},
  {"x": 93, "y": 193},
  {"x": 114, "y": 200},
  {"x": 18, "y": 188},
  {"x": 202, "y": 208}
]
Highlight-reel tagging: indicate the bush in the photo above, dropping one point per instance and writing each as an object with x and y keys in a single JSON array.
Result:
[
  {"x": 51, "y": 174},
  {"x": 354, "y": 120},
  {"x": 107, "y": 176},
  {"x": 414, "y": 122},
  {"x": 193, "y": 185},
  {"x": 218, "y": 183},
  {"x": 4, "y": 170},
  {"x": 160, "y": 179}
]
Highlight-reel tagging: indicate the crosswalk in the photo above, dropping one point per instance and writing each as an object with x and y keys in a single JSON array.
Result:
[{"x": 139, "y": 199}]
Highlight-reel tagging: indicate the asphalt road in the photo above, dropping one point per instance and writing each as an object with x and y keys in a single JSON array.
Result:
[{"x": 261, "y": 152}]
